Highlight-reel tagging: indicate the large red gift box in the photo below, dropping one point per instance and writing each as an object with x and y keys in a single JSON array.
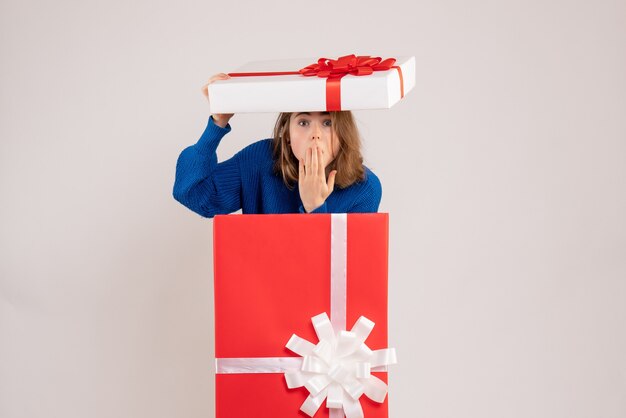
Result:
[{"x": 272, "y": 275}]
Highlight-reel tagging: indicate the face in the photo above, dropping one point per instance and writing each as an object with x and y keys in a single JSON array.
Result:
[{"x": 308, "y": 129}]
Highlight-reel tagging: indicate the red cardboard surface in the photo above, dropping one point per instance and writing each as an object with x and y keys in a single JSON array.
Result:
[{"x": 272, "y": 274}]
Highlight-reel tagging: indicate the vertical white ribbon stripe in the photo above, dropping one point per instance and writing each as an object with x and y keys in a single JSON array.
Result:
[{"x": 338, "y": 270}]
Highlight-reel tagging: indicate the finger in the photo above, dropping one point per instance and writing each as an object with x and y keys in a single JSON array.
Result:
[
  {"x": 300, "y": 171},
  {"x": 314, "y": 160},
  {"x": 331, "y": 181},
  {"x": 307, "y": 162},
  {"x": 220, "y": 76},
  {"x": 320, "y": 163}
]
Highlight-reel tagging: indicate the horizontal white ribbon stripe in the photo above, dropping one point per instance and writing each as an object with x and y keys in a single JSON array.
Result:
[
  {"x": 257, "y": 365},
  {"x": 239, "y": 365}
]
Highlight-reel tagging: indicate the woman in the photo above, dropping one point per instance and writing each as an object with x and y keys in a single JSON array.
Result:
[{"x": 313, "y": 164}]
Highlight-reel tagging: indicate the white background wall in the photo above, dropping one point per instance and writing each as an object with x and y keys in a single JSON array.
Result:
[{"x": 504, "y": 172}]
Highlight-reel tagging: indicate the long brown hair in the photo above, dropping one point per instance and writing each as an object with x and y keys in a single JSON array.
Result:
[{"x": 348, "y": 162}]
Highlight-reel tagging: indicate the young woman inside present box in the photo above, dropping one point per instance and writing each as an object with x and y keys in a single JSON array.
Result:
[{"x": 313, "y": 164}]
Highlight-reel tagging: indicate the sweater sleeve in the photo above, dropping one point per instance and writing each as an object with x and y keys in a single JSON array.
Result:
[
  {"x": 320, "y": 209},
  {"x": 368, "y": 199},
  {"x": 202, "y": 184}
]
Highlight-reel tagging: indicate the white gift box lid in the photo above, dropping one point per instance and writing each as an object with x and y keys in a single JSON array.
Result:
[{"x": 300, "y": 93}]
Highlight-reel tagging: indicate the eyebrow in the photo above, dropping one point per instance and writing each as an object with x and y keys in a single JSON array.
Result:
[{"x": 308, "y": 114}]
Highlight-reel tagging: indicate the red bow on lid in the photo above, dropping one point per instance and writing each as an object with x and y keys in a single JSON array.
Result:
[{"x": 348, "y": 64}]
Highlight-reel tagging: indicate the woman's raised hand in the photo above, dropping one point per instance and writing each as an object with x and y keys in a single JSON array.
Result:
[
  {"x": 312, "y": 183},
  {"x": 221, "y": 119}
]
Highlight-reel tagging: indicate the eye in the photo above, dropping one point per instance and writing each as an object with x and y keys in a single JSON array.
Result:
[
  {"x": 303, "y": 122},
  {"x": 327, "y": 122}
]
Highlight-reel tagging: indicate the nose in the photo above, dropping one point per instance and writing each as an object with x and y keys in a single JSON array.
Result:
[{"x": 317, "y": 132}]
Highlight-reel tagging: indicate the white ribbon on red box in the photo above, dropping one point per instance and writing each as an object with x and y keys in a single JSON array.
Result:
[{"x": 337, "y": 368}]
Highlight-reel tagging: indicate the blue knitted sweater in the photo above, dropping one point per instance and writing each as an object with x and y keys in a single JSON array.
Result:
[{"x": 247, "y": 181}]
